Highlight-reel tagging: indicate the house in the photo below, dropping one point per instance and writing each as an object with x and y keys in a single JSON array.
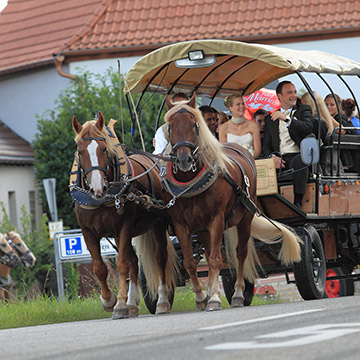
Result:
[
  {"x": 46, "y": 42},
  {"x": 18, "y": 186}
]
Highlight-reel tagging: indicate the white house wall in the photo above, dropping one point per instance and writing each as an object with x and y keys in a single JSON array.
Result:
[
  {"x": 101, "y": 66},
  {"x": 20, "y": 181},
  {"x": 24, "y": 95}
]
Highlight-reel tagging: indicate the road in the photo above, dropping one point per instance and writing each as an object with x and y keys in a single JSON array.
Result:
[{"x": 321, "y": 329}]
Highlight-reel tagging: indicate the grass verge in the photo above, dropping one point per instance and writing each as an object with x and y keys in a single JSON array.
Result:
[{"x": 43, "y": 310}]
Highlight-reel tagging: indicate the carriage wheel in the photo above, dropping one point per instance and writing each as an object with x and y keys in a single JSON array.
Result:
[
  {"x": 338, "y": 287},
  {"x": 228, "y": 282},
  {"x": 149, "y": 302},
  {"x": 310, "y": 272}
]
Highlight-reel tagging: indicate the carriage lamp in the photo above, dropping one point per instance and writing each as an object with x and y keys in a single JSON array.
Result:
[
  {"x": 196, "y": 59},
  {"x": 196, "y": 55}
]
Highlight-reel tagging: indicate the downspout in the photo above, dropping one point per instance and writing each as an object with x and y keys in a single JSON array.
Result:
[{"x": 59, "y": 60}]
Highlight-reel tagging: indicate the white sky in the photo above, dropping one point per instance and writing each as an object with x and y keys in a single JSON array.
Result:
[{"x": 3, "y": 3}]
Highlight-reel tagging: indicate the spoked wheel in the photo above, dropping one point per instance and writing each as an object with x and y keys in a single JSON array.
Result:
[
  {"x": 228, "y": 282},
  {"x": 310, "y": 272},
  {"x": 149, "y": 301},
  {"x": 338, "y": 287}
]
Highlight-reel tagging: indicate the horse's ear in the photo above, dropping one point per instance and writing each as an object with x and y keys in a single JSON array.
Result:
[
  {"x": 100, "y": 123},
  {"x": 7, "y": 233},
  {"x": 192, "y": 101},
  {"x": 168, "y": 102},
  {"x": 76, "y": 125}
]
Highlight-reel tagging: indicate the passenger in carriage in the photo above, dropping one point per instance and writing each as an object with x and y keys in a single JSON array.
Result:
[
  {"x": 345, "y": 155},
  {"x": 211, "y": 118},
  {"x": 284, "y": 130},
  {"x": 348, "y": 106},
  {"x": 161, "y": 138},
  {"x": 327, "y": 125},
  {"x": 238, "y": 129},
  {"x": 259, "y": 118},
  {"x": 327, "y": 122}
]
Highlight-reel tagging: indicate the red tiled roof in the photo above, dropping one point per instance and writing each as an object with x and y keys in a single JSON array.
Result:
[
  {"x": 13, "y": 148},
  {"x": 33, "y": 30}
]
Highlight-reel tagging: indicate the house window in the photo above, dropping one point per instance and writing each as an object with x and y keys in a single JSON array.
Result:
[
  {"x": 32, "y": 209},
  {"x": 12, "y": 208}
]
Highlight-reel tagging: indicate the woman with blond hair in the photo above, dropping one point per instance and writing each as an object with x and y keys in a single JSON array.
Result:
[
  {"x": 327, "y": 122},
  {"x": 238, "y": 129}
]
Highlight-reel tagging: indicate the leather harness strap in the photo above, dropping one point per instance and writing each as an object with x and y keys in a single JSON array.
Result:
[{"x": 242, "y": 193}]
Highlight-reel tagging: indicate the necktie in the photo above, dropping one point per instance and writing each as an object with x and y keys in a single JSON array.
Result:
[{"x": 287, "y": 112}]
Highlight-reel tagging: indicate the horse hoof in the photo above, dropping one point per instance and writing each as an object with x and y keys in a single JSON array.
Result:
[
  {"x": 213, "y": 305},
  {"x": 162, "y": 309},
  {"x": 133, "y": 311},
  {"x": 108, "y": 305},
  {"x": 237, "y": 302},
  {"x": 120, "y": 314},
  {"x": 201, "y": 305}
]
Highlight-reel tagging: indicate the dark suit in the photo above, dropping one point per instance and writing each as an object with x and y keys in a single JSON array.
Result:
[{"x": 299, "y": 128}]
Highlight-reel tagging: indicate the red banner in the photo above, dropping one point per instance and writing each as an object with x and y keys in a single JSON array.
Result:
[{"x": 262, "y": 99}]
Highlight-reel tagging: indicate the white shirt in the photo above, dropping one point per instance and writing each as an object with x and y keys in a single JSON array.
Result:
[{"x": 160, "y": 141}]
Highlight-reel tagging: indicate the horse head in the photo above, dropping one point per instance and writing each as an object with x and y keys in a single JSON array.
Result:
[
  {"x": 26, "y": 256},
  {"x": 93, "y": 154},
  {"x": 8, "y": 256},
  {"x": 183, "y": 128}
]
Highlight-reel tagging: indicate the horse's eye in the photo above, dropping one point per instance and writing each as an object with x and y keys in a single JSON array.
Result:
[{"x": 79, "y": 152}]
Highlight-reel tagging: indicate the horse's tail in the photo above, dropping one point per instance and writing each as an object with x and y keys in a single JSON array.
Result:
[
  {"x": 251, "y": 261},
  {"x": 146, "y": 249},
  {"x": 271, "y": 232}
]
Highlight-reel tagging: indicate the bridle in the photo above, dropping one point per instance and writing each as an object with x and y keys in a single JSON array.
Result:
[
  {"x": 10, "y": 240},
  {"x": 92, "y": 168},
  {"x": 192, "y": 145}
]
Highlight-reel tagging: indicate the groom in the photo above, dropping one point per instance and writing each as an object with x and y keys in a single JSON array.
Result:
[{"x": 284, "y": 130}]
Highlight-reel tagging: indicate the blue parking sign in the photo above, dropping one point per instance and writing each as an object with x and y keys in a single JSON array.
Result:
[{"x": 73, "y": 245}]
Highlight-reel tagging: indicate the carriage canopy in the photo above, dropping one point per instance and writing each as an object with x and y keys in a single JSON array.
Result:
[{"x": 231, "y": 67}]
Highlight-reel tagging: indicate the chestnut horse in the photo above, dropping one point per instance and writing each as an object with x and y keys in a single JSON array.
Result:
[
  {"x": 22, "y": 252},
  {"x": 8, "y": 256},
  {"x": 114, "y": 197},
  {"x": 210, "y": 188}
]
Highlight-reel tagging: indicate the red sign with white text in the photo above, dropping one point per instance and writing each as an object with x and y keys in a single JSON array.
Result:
[{"x": 262, "y": 99}]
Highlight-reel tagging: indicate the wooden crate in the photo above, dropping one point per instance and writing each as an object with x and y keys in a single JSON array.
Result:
[{"x": 266, "y": 177}]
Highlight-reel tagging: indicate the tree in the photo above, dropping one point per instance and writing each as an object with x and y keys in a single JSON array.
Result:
[{"x": 54, "y": 143}]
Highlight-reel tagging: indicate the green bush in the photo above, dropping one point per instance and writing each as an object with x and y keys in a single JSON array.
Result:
[{"x": 54, "y": 144}]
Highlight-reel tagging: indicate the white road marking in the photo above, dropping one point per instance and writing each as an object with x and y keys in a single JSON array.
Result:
[
  {"x": 238, "y": 323},
  {"x": 304, "y": 336}
]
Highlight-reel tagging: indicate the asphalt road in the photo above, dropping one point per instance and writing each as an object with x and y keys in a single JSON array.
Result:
[{"x": 322, "y": 329}]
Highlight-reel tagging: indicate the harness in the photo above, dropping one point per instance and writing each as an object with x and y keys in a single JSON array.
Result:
[
  {"x": 243, "y": 194},
  {"x": 125, "y": 186},
  {"x": 202, "y": 181}
]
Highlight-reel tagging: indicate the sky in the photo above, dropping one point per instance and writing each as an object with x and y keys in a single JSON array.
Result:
[{"x": 3, "y": 3}]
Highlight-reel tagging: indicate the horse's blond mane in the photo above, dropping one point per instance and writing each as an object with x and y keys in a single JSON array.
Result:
[
  {"x": 90, "y": 130},
  {"x": 209, "y": 147}
]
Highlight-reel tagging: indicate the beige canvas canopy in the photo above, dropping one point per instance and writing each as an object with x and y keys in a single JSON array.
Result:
[{"x": 239, "y": 67}]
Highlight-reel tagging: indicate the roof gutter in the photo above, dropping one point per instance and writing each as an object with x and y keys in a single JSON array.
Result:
[{"x": 59, "y": 60}]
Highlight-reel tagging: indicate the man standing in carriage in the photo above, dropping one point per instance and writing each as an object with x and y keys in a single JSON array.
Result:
[{"x": 284, "y": 130}]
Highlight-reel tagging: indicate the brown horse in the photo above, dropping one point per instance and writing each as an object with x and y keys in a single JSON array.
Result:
[
  {"x": 114, "y": 198},
  {"x": 210, "y": 188},
  {"x": 22, "y": 252},
  {"x": 8, "y": 256}
]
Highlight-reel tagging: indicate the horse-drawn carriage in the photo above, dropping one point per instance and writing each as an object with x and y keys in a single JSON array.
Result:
[{"x": 206, "y": 188}]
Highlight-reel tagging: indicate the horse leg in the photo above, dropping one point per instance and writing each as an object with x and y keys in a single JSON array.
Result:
[
  {"x": 243, "y": 232},
  {"x": 214, "y": 262},
  {"x": 100, "y": 270},
  {"x": 190, "y": 265},
  {"x": 125, "y": 262}
]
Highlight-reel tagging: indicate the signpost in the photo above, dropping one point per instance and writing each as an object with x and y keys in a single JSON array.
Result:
[{"x": 70, "y": 247}]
